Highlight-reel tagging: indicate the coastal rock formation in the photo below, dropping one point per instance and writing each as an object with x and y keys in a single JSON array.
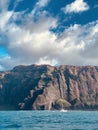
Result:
[{"x": 44, "y": 87}]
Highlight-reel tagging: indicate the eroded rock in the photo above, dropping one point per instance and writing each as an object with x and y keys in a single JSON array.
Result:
[{"x": 42, "y": 87}]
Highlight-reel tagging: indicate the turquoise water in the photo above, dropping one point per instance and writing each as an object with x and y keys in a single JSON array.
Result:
[{"x": 48, "y": 120}]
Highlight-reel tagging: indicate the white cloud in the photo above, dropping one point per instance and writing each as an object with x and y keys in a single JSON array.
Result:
[
  {"x": 1, "y": 68},
  {"x": 42, "y": 3},
  {"x": 33, "y": 42},
  {"x": 4, "y": 18},
  {"x": 46, "y": 60},
  {"x": 29, "y": 42},
  {"x": 38, "y": 6},
  {"x": 77, "y": 45},
  {"x": 4, "y": 4},
  {"x": 76, "y": 7}
]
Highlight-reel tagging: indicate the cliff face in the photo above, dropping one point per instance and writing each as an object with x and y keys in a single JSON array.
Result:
[{"x": 46, "y": 87}]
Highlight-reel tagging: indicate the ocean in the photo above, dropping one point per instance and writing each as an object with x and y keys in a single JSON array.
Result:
[{"x": 48, "y": 120}]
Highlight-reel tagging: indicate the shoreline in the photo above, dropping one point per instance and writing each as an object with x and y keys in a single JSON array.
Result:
[{"x": 11, "y": 108}]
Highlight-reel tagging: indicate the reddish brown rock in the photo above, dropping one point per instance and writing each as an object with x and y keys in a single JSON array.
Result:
[{"x": 39, "y": 87}]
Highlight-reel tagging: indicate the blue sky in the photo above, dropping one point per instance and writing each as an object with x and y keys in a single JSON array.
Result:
[{"x": 48, "y": 32}]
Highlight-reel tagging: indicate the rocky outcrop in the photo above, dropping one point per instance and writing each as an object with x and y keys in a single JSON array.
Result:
[{"x": 44, "y": 87}]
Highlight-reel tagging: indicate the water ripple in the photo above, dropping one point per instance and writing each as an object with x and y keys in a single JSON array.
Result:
[{"x": 48, "y": 120}]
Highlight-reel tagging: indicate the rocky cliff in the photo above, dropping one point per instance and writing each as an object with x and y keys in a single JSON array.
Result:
[{"x": 44, "y": 87}]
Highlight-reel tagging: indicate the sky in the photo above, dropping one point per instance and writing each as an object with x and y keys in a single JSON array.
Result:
[{"x": 55, "y": 32}]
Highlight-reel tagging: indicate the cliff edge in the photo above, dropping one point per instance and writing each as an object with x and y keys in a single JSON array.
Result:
[{"x": 44, "y": 87}]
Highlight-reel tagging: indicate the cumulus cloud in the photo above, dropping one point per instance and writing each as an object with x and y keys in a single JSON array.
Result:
[
  {"x": 76, "y": 7},
  {"x": 39, "y": 5},
  {"x": 33, "y": 42},
  {"x": 4, "y": 4},
  {"x": 26, "y": 42},
  {"x": 1, "y": 68},
  {"x": 42, "y": 3},
  {"x": 78, "y": 43},
  {"x": 4, "y": 18}
]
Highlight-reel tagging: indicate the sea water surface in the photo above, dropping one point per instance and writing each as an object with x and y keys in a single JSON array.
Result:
[{"x": 48, "y": 120}]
